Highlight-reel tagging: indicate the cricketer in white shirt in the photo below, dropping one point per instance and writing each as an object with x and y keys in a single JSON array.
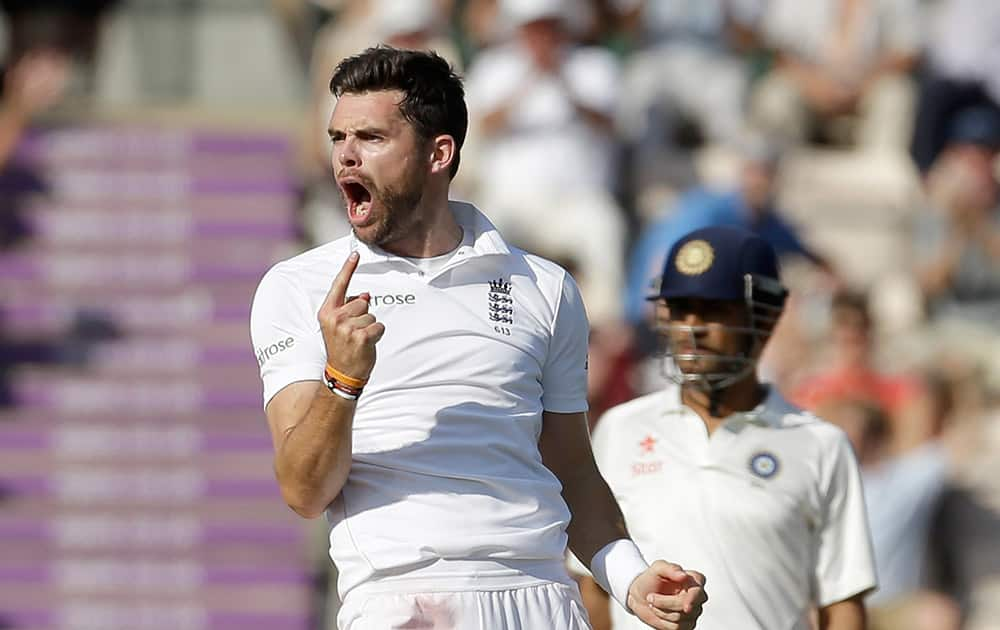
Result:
[
  {"x": 770, "y": 505},
  {"x": 720, "y": 471},
  {"x": 431, "y": 399},
  {"x": 445, "y": 437}
]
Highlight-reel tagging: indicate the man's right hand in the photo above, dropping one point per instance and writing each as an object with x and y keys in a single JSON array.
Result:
[{"x": 350, "y": 332}]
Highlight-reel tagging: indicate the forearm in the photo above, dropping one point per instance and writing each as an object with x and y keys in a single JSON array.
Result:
[
  {"x": 845, "y": 615},
  {"x": 314, "y": 457},
  {"x": 597, "y": 519},
  {"x": 593, "y": 117},
  {"x": 894, "y": 63}
]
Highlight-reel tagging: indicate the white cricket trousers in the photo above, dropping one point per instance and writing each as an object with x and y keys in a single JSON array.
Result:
[{"x": 546, "y": 606}]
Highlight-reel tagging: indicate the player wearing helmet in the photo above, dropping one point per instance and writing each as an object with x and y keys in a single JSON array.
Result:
[{"x": 719, "y": 470}]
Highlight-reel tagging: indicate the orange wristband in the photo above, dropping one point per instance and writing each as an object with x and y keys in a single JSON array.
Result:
[{"x": 336, "y": 375}]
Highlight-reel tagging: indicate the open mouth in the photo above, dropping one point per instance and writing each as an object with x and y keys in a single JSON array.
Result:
[{"x": 358, "y": 199}]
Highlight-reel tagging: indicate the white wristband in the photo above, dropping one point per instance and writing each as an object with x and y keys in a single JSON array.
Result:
[{"x": 615, "y": 566}]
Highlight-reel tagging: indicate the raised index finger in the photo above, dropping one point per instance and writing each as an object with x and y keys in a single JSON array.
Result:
[{"x": 338, "y": 290}]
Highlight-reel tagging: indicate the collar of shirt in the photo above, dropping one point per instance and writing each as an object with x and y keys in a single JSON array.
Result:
[
  {"x": 768, "y": 413},
  {"x": 485, "y": 239}
]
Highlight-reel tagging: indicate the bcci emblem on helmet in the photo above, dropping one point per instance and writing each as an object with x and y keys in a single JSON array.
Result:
[
  {"x": 695, "y": 257},
  {"x": 764, "y": 465},
  {"x": 713, "y": 265}
]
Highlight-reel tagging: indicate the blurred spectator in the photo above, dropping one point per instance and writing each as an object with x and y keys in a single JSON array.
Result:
[
  {"x": 665, "y": 91},
  {"x": 33, "y": 83},
  {"x": 957, "y": 243},
  {"x": 837, "y": 59},
  {"x": 961, "y": 71},
  {"x": 482, "y": 25},
  {"x": 750, "y": 205},
  {"x": 965, "y": 548},
  {"x": 544, "y": 170},
  {"x": 850, "y": 373},
  {"x": 547, "y": 103},
  {"x": 69, "y": 28},
  {"x": 415, "y": 25},
  {"x": 901, "y": 495}
]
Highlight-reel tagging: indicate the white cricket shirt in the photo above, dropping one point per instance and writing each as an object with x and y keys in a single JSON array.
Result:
[
  {"x": 770, "y": 507},
  {"x": 445, "y": 437}
]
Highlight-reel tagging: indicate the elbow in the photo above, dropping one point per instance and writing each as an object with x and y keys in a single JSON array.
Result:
[
  {"x": 308, "y": 502},
  {"x": 308, "y": 505},
  {"x": 308, "y": 495},
  {"x": 306, "y": 512}
]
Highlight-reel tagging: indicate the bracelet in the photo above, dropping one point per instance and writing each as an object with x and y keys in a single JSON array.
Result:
[
  {"x": 615, "y": 566},
  {"x": 334, "y": 374},
  {"x": 343, "y": 394},
  {"x": 344, "y": 390}
]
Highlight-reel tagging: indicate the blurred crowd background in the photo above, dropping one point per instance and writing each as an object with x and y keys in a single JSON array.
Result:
[{"x": 159, "y": 155}]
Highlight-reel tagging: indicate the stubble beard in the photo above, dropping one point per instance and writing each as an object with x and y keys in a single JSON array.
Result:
[{"x": 399, "y": 210}]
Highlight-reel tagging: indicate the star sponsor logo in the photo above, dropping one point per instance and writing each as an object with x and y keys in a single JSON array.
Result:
[
  {"x": 264, "y": 353},
  {"x": 647, "y": 445}
]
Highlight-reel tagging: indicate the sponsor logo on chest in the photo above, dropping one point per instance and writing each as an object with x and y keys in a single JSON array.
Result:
[
  {"x": 397, "y": 299},
  {"x": 645, "y": 465},
  {"x": 389, "y": 299}
]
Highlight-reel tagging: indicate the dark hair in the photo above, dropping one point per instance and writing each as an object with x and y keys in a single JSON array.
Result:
[{"x": 433, "y": 97}]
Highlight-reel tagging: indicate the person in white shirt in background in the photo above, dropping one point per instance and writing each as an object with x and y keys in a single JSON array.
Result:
[
  {"x": 449, "y": 467},
  {"x": 903, "y": 491},
  {"x": 719, "y": 471},
  {"x": 837, "y": 60},
  {"x": 546, "y": 152}
]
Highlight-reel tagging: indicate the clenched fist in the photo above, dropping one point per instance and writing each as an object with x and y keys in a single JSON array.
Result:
[
  {"x": 667, "y": 597},
  {"x": 350, "y": 332}
]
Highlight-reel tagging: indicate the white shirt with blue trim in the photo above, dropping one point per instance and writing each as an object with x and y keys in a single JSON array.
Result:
[{"x": 769, "y": 507}]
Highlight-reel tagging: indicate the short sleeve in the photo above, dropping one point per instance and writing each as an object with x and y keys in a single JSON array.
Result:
[
  {"x": 285, "y": 334},
  {"x": 575, "y": 566},
  {"x": 564, "y": 373},
  {"x": 845, "y": 564}
]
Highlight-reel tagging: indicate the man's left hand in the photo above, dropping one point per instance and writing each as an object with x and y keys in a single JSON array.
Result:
[{"x": 667, "y": 597}]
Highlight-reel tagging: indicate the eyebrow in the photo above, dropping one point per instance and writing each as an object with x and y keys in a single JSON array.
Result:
[{"x": 360, "y": 131}]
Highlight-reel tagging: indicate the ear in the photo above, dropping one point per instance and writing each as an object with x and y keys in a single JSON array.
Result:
[
  {"x": 443, "y": 151},
  {"x": 767, "y": 326},
  {"x": 661, "y": 314}
]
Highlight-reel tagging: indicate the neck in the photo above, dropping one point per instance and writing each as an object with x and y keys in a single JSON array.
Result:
[
  {"x": 433, "y": 233},
  {"x": 743, "y": 395}
]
